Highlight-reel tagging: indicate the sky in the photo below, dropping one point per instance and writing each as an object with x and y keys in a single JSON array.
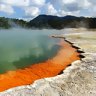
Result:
[{"x": 29, "y": 9}]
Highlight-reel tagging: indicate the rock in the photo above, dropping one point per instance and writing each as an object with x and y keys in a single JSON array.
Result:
[{"x": 79, "y": 79}]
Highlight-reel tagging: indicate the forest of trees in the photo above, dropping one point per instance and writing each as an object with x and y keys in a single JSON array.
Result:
[
  {"x": 7, "y": 23},
  {"x": 48, "y": 21}
]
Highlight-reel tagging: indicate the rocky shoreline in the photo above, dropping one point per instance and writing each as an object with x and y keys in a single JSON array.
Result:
[
  {"x": 79, "y": 79},
  {"x": 49, "y": 68}
]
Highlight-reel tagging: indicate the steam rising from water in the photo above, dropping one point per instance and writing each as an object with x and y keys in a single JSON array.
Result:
[{"x": 22, "y": 47}]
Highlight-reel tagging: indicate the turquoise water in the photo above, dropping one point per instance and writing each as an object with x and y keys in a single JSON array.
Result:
[{"x": 20, "y": 48}]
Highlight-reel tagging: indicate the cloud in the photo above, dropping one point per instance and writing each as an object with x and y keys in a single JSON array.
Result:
[
  {"x": 32, "y": 11},
  {"x": 67, "y": 1},
  {"x": 63, "y": 13},
  {"x": 6, "y": 8},
  {"x": 86, "y": 4},
  {"x": 50, "y": 10},
  {"x": 93, "y": 2},
  {"x": 71, "y": 7},
  {"x": 16, "y": 2},
  {"x": 37, "y": 2},
  {"x": 32, "y": 8},
  {"x": 24, "y": 2}
]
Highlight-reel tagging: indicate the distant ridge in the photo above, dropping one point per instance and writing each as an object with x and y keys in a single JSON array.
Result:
[{"x": 49, "y": 21}]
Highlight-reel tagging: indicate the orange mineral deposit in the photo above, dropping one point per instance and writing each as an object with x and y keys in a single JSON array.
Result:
[{"x": 52, "y": 67}]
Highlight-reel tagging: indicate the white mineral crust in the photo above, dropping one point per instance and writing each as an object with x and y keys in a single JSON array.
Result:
[{"x": 76, "y": 80}]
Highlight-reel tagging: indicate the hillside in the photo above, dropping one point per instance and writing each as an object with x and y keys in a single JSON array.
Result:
[
  {"x": 49, "y": 21},
  {"x": 7, "y": 23}
]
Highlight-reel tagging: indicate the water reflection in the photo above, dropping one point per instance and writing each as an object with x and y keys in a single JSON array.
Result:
[{"x": 20, "y": 48}]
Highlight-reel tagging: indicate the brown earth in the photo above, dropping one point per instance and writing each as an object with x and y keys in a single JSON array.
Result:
[{"x": 65, "y": 56}]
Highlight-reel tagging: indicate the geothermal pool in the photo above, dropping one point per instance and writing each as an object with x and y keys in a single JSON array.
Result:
[
  {"x": 29, "y": 55},
  {"x": 20, "y": 48}
]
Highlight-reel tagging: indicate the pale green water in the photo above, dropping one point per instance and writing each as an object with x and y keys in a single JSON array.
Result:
[{"x": 20, "y": 48}]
